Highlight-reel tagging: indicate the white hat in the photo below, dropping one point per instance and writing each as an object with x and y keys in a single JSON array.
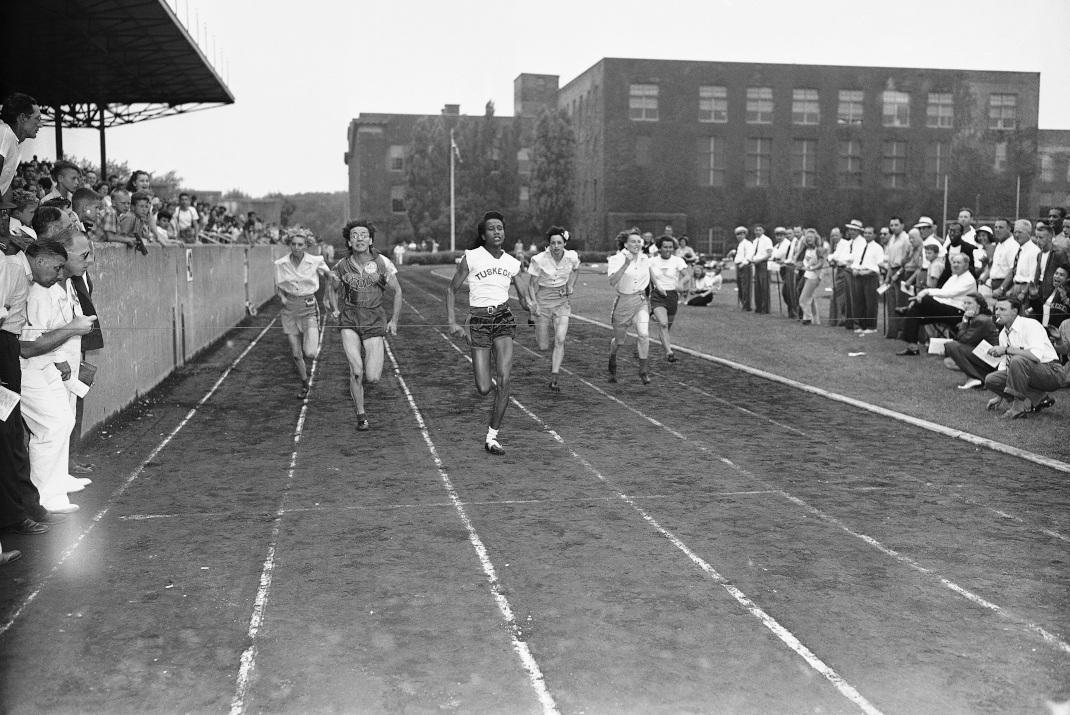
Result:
[
  {"x": 925, "y": 222},
  {"x": 934, "y": 242},
  {"x": 740, "y": 229},
  {"x": 855, "y": 224}
]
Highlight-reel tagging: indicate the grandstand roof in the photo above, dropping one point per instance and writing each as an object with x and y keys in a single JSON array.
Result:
[{"x": 134, "y": 58}]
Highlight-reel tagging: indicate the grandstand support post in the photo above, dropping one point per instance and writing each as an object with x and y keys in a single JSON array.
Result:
[
  {"x": 1018, "y": 198},
  {"x": 943, "y": 218},
  {"x": 59, "y": 131},
  {"x": 453, "y": 212},
  {"x": 103, "y": 147}
]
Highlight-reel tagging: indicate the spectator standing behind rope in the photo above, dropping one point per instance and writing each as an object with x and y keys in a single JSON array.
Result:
[
  {"x": 742, "y": 255},
  {"x": 762, "y": 251},
  {"x": 814, "y": 262},
  {"x": 865, "y": 277},
  {"x": 20, "y": 118}
]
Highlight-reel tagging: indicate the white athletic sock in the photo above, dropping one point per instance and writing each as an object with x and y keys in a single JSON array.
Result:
[{"x": 492, "y": 434}]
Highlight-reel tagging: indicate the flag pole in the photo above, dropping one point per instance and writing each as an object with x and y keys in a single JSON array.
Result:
[{"x": 453, "y": 213}]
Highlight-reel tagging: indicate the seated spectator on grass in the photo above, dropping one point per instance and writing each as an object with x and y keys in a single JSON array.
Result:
[
  {"x": 976, "y": 325},
  {"x": 21, "y": 216},
  {"x": 704, "y": 284},
  {"x": 67, "y": 179},
  {"x": 943, "y": 306},
  {"x": 685, "y": 252},
  {"x": 1029, "y": 366}
]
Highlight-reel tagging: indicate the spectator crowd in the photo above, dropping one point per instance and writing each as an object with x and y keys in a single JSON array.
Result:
[{"x": 51, "y": 214}]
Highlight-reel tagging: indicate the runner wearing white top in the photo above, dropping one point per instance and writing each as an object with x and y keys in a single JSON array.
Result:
[
  {"x": 490, "y": 325},
  {"x": 629, "y": 273},
  {"x": 297, "y": 278},
  {"x": 553, "y": 279},
  {"x": 666, "y": 272}
]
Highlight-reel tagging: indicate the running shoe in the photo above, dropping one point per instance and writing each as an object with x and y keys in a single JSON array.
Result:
[
  {"x": 554, "y": 387},
  {"x": 492, "y": 446},
  {"x": 671, "y": 357},
  {"x": 645, "y": 378},
  {"x": 303, "y": 392},
  {"x": 362, "y": 423}
]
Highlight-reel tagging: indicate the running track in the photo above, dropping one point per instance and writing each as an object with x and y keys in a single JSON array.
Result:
[{"x": 712, "y": 542}]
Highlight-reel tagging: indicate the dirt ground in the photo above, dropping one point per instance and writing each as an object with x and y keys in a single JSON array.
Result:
[{"x": 712, "y": 542}]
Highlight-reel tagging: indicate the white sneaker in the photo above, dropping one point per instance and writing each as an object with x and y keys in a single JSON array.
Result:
[{"x": 970, "y": 384}]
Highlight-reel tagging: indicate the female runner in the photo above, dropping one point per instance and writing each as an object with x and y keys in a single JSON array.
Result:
[{"x": 553, "y": 279}]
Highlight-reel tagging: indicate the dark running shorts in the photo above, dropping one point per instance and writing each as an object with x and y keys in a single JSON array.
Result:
[
  {"x": 670, "y": 302},
  {"x": 367, "y": 322},
  {"x": 483, "y": 329}
]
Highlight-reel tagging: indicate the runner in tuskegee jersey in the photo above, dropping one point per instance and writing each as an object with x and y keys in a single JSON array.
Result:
[
  {"x": 490, "y": 325},
  {"x": 359, "y": 281}
]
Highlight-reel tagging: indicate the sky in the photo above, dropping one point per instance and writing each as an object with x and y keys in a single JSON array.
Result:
[{"x": 301, "y": 70}]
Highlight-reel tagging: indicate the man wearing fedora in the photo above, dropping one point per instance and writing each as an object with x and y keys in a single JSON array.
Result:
[{"x": 840, "y": 309}]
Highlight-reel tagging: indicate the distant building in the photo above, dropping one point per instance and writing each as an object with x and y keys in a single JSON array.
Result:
[
  {"x": 704, "y": 146},
  {"x": 1052, "y": 186}
]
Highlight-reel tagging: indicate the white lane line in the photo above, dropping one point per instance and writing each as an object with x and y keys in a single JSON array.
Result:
[
  {"x": 785, "y": 636},
  {"x": 876, "y": 409},
  {"x": 949, "y": 491},
  {"x": 126, "y": 484},
  {"x": 535, "y": 676},
  {"x": 267, "y": 571},
  {"x": 782, "y": 633}
]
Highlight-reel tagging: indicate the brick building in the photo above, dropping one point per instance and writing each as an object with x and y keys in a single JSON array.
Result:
[{"x": 705, "y": 146}]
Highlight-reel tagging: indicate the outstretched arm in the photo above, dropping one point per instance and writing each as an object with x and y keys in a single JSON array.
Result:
[{"x": 451, "y": 292}]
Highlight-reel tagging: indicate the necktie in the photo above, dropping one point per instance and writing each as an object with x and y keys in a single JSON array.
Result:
[
  {"x": 1041, "y": 260},
  {"x": 1014, "y": 268},
  {"x": 862, "y": 258}
]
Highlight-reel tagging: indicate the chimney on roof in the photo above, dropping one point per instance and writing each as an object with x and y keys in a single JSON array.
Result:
[{"x": 451, "y": 110}]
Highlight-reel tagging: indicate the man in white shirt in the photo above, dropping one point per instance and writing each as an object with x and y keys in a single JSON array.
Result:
[
  {"x": 782, "y": 261},
  {"x": 743, "y": 257},
  {"x": 937, "y": 305},
  {"x": 297, "y": 278},
  {"x": 841, "y": 312},
  {"x": 763, "y": 250},
  {"x": 865, "y": 277},
  {"x": 969, "y": 235},
  {"x": 185, "y": 220},
  {"x": 1024, "y": 265},
  {"x": 1029, "y": 367},
  {"x": 20, "y": 118},
  {"x": 1002, "y": 259}
]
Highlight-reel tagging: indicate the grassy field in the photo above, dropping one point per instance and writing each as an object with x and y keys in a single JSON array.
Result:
[{"x": 862, "y": 367}]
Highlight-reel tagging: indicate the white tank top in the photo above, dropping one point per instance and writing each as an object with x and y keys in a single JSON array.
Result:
[{"x": 489, "y": 277}]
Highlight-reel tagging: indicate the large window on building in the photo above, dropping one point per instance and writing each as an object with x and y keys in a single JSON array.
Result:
[
  {"x": 713, "y": 104},
  {"x": 940, "y": 111},
  {"x": 849, "y": 109},
  {"x": 711, "y": 161},
  {"x": 896, "y": 112},
  {"x": 1000, "y": 163},
  {"x": 397, "y": 199},
  {"x": 937, "y": 164},
  {"x": 759, "y": 105},
  {"x": 894, "y": 164},
  {"x": 1003, "y": 111},
  {"x": 805, "y": 108},
  {"x": 1047, "y": 168},
  {"x": 643, "y": 103},
  {"x": 849, "y": 164},
  {"x": 804, "y": 163},
  {"x": 395, "y": 160},
  {"x": 758, "y": 161}
]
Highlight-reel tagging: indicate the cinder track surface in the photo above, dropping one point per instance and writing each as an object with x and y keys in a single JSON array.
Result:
[{"x": 712, "y": 542}]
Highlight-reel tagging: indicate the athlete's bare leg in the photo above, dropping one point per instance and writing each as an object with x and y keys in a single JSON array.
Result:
[{"x": 351, "y": 345}]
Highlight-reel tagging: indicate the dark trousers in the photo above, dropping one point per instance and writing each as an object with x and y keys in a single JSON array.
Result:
[
  {"x": 705, "y": 299},
  {"x": 962, "y": 354},
  {"x": 840, "y": 305},
  {"x": 864, "y": 300},
  {"x": 928, "y": 310},
  {"x": 19, "y": 499},
  {"x": 894, "y": 298},
  {"x": 788, "y": 291},
  {"x": 761, "y": 288},
  {"x": 743, "y": 281}
]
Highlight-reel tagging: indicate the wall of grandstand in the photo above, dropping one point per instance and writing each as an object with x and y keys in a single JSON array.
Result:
[{"x": 158, "y": 311}]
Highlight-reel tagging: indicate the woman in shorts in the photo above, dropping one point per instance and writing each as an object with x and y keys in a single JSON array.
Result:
[
  {"x": 553, "y": 275},
  {"x": 360, "y": 280},
  {"x": 297, "y": 278},
  {"x": 490, "y": 325},
  {"x": 667, "y": 272},
  {"x": 629, "y": 274}
]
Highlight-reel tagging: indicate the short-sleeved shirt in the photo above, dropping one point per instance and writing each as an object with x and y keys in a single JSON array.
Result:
[
  {"x": 550, "y": 273},
  {"x": 302, "y": 279},
  {"x": 489, "y": 277},
  {"x": 49, "y": 309},
  {"x": 14, "y": 290},
  {"x": 1027, "y": 334},
  {"x": 363, "y": 285},
  {"x": 636, "y": 277},
  {"x": 185, "y": 218},
  {"x": 665, "y": 272},
  {"x": 9, "y": 149}
]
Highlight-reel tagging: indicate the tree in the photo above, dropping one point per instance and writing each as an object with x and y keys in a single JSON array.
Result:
[
  {"x": 428, "y": 184},
  {"x": 553, "y": 170}
]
